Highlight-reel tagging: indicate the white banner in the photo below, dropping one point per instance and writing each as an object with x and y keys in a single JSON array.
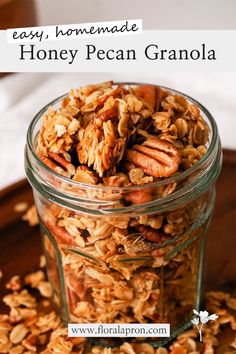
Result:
[{"x": 195, "y": 50}]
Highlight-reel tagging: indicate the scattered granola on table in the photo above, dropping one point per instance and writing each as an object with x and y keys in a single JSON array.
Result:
[
  {"x": 32, "y": 326},
  {"x": 31, "y": 216},
  {"x": 111, "y": 144},
  {"x": 21, "y": 207}
]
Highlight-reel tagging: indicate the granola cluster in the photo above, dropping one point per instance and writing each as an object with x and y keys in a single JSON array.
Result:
[
  {"x": 122, "y": 136},
  {"x": 117, "y": 266},
  {"x": 32, "y": 326}
]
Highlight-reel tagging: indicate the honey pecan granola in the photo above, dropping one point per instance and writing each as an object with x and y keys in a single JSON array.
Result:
[{"x": 122, "y": 141}]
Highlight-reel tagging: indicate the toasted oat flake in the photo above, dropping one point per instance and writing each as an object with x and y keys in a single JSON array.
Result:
[
  {"x": 45, "y": 289},
  {"x": 18, "y": 349},
  {"x": 42, "y": 261},
  {"x": 14, "y": 283},
  {"x": 34, "y": 279},
  {"x": 18, "y": 333},
  {"x": 21, "y": 207},
  {"x": 3, "y": 340},
  {"x": 136, "y": 174},
  {"x": 60, "y": 129},
  {"x": 31, "y": 216}
]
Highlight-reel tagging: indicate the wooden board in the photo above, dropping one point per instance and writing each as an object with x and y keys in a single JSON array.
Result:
[
  {"x": 221, "y": 238},
  {"x": 20, "y": 245}
]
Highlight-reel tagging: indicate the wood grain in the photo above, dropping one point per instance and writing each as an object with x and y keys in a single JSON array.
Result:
[
  {"x": 20, "y": 245},
  {"x": 221, "y": 238}
]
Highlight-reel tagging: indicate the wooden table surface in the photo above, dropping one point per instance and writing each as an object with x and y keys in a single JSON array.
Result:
[{"x": 20, "y": 245}]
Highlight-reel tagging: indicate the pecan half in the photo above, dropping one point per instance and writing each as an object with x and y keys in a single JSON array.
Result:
[
  {"x": 151, "y": 94},
  {"x": 138, "y": 197},
  {"x": 76, "y": 285},
  {"x": 115, "y": 93},
  {"x": 151, "y": 234},
  {"x": 61, "y": 234},
  {"x": 147, "y": 93},
  {"x": 52, "y": 165},
  {"x": 64, "y": 167},
  {"x": 157, "y": 158},
  {"x": 109, "y": 113},
  {"x": 62, "y": 162}
]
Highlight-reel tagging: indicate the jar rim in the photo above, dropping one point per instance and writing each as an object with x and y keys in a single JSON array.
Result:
[{"x": 165, "y": 181}]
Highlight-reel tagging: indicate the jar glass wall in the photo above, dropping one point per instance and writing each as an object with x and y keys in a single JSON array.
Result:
[{"x": 113, "y": 260}]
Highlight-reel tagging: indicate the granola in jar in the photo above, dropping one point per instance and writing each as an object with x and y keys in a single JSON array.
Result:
[{"x": 125, "y": 189}]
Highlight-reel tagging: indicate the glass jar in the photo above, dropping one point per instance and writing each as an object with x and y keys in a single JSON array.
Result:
[{"x": 126, "y": 254}]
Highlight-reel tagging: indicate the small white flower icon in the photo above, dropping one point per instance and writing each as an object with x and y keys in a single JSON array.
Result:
[
  {"x": 202, "y": 318},
  {"x": 195, "y": 321}
]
